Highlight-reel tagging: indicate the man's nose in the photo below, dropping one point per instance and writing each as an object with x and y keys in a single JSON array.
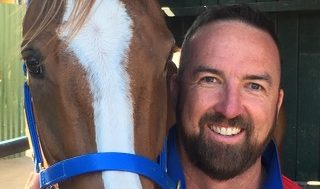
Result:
[{"x": 229, "y": 103}]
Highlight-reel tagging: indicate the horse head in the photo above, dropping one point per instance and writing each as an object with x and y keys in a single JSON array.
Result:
[{"x": 98, "y": 78}]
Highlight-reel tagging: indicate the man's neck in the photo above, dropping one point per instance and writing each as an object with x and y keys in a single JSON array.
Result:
[{"x": 197, "y": 179}]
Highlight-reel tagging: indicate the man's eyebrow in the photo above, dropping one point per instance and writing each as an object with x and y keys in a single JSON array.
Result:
[
  {"x": 205, "y": 69},
  {"x": 263, "y": 77}
]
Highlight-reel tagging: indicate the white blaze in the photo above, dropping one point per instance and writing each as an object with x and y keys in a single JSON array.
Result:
[{"x": 101, "y": 46}]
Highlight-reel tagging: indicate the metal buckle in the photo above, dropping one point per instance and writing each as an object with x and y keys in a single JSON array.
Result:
[
  {"x": 41, "y": 167},
  {"x": 178, "y": 185},
  {"x": 27, "y": 79},
  {"x": 51, "y": 187},
  {"x": 26, "y": 74}
]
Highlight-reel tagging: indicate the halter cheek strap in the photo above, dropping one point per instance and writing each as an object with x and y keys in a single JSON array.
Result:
[
  {"x": 95, "y": 162},
  {"x": 28, "y": 108}
]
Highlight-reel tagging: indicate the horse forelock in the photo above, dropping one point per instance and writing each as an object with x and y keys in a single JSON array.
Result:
[
  {"x": 101, "y": 46},
  {"x": 50, "y": 10}
]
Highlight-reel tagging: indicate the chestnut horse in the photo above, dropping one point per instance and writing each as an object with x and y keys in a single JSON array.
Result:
[{"x": 97, "y": 74}]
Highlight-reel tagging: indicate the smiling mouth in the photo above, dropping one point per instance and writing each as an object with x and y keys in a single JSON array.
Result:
[{"x": 225, "y": 131}]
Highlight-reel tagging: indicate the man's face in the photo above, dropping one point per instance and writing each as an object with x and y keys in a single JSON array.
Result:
[{"x": 228, "y": 97}]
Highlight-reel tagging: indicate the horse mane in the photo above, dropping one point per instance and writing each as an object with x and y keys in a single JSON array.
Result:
[{"x": 50, "y": 10}]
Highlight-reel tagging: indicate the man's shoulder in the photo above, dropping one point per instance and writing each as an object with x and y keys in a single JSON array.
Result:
[{"x": 289, "y": 184}]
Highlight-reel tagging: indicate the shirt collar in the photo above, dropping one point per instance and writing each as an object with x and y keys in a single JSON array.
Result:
[
  {"x": 174, "y": 165},
  {"x": 270, "y": 162}
]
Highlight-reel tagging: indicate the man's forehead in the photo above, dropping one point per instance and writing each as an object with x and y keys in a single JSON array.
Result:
[
  {"x": 223, "y": 33},
  {"x": 233, "y": 43},
  {"x": 223, "y": 26}
]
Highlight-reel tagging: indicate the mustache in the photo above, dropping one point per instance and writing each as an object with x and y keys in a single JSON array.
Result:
[{"x": 218, "y": 118}]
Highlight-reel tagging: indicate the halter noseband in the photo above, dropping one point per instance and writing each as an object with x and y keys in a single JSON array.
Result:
[{"x": 93, "y": 162}]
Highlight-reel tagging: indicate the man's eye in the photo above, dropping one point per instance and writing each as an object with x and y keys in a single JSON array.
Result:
[
  {"x": 255, "y": 86},
  {"x": 209, "y": 80}
]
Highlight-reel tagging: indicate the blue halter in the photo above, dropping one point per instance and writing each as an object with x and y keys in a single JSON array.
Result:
[{"x": 93, "y": 162}]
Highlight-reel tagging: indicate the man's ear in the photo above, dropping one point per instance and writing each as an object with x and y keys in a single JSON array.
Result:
[
  {"x": 280, "y": 100},
  {"x": 174, "y": 88}
]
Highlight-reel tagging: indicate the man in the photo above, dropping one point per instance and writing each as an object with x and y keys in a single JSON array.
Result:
[{"x": 228, "y": 96}]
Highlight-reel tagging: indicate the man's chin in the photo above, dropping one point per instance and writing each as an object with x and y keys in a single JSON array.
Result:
[{"x": 220, "y": 160}]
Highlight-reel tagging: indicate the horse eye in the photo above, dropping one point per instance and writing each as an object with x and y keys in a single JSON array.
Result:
[{"x": 33, "y": 64}]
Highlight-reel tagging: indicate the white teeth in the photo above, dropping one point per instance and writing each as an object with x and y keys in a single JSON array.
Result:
[{"x": 227, "y": 131}]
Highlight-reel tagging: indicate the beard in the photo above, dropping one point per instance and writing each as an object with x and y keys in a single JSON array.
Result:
[{"x": 218, "y": 160}]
